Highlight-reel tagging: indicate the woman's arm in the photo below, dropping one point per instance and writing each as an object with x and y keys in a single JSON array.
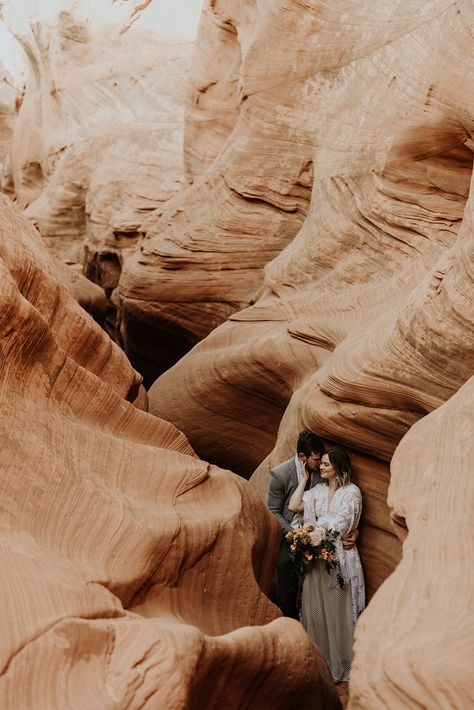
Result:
[
  {"x": 348, "y": 516},
  {"x": 296, "y": 504}
]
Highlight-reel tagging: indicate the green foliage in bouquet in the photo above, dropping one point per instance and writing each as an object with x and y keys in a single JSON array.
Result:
[{"x": 310, "y": 543}]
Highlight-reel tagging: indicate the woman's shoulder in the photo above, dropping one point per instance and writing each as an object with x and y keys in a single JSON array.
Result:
[
  {"x": 320, "y": 488},
  {"x": 351, "y": 490}
]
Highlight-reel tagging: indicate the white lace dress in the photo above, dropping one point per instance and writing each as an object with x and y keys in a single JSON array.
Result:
[{"x": 327, "y": 612}]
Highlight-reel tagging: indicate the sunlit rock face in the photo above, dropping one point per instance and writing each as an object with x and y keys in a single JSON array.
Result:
[
  {"x": 213, "y": 103},
  {"x": 133, "y": 573},
  {"x": 418, "y": 631},
  {"x": 98, "y": 143},
  {"x": 365, "y": 320},
  {"x": 325, "y": 240},
  {"x": 7, "y": 113},
  {"x": 203, "y": 258}
]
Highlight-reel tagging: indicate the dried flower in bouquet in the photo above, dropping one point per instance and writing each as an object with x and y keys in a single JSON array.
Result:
[{"x": 310, "y": 543}]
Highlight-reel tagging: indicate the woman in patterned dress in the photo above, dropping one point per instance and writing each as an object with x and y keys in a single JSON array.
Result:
[{"x": 329, "y": 613}]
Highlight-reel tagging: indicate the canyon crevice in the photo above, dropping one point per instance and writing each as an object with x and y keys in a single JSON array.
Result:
[
  {"x": 278, "y": 222},
  {"x": 118, "y": 545}
]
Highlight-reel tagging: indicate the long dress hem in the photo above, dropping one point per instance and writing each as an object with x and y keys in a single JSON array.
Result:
[{"x": 329, "y": 613}]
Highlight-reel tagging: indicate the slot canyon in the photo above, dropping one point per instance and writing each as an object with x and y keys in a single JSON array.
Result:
[{"x": 206, "y": 247}]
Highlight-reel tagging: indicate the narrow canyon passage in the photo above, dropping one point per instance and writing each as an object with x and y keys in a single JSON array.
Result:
[{"x": 271, "y": 226}]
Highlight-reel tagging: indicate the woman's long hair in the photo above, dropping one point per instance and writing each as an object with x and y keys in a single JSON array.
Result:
[{"x": 339, "y": 458}]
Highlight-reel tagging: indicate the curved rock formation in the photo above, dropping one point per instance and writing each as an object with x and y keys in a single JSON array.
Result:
[
  {"x": 326, "y": 240},
  {"x": 202, "y": 258},
  {"x": 212, "y": 107},
  {"x": 132, "y": 571},
  {"x": 415, "y": 643},
  {"x": 365, "y": 321},
  {"x": 98, "y": 143},
  {"x": 88, "y": 294},
  {"x": 7, "y": 114}
]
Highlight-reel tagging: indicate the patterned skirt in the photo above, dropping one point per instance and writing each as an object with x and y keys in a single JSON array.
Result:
[{"x": 327, "y": 616}]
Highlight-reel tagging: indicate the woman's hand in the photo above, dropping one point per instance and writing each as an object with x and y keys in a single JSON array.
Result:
[{"x": 295, "y": 504}]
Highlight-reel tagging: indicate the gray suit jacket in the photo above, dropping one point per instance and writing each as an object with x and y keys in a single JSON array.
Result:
[{"x": 282, "y": 485}]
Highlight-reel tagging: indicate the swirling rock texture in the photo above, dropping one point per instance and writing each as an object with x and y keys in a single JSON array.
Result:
[
  {"x": 7, "y": 113},
  {"x": 98, "y": 143},
  {"x": 88, "y": 294},
  {"x": 363, "y": 323},
  {"x": 427, "y": 606},
  {"x": 133, "y": 573},
  {"x": 328, "y": 232},
  {"x": 202, "y": 258}
]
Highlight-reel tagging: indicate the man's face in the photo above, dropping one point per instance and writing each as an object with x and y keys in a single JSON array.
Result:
[{"x": 312, "y": 461}]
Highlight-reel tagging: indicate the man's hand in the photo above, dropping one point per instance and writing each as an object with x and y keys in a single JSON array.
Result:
[{"x": 349, "y": 540}]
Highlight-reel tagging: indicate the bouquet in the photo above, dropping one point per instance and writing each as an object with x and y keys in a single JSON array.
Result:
[{"x": 310, "y": 543}]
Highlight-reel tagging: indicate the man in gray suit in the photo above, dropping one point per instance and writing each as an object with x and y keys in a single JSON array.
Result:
[{"x": 284, "y": 479}]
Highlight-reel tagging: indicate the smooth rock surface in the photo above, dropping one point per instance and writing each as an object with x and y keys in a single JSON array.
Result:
[
  {"x": 415, "y": 643},
  {"x": 316, "y": 272},
  {"x": 88, "y": 294},
  {"x": 7, "y": 114},
  {"x": 202, "y": 258},
  {"x": 364, "y": 322},
  {"x": 98, "y": 142},
  {"x": 133, "y": 573}
]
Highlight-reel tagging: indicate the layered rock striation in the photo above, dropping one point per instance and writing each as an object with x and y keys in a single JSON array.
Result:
[
  {"x": 364, "y": 320},
  {"x": 202, "y": 259},
  {"x": 98, "y": 142},
  {"x": 133, "y": 573},
  {"x": 314, "y": 272},
  {"x": 8, "y": 97},
  {"x": 426, "y": 607}
]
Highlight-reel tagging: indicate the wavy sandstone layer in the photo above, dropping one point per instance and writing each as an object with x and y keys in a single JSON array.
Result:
[
  {"x": 365, "y": 321},
  {"x": 132, "y": 571},
  {"x": 98, "y": 142},
  {"x": 202, "y": 258},
  {"x": 326, "y": 243},
  {"x": 415, "y": 643},
  {"x": 7, "y": 114}
]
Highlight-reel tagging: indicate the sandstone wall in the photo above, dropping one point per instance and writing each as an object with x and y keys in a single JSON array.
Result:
[
  {"x": 414, "y": 644},
  {"x": 316, "y": 272},
  {"x": 133, "y": 573},
  {"x": 363, "y": 323},
  {"x": 202, "y": 259},
  {"x": 98, "y": 143},
  {"x": 7, "y": 114}
]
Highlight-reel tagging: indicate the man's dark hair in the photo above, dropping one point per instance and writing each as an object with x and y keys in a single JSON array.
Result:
[{"x": 309, "y": 443}]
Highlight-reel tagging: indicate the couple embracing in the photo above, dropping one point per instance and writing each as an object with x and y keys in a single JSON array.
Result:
[{"x": 314, "y": 486}]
